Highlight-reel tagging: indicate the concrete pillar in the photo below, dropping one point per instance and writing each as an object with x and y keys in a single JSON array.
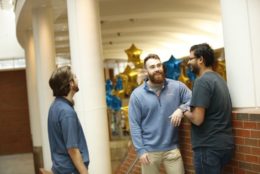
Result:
[
  {"x": 87, "y": 63},
  {"x": 33, "y": 101},
  {"x": 242, "y": 43},
  {"x": 43, "y": 33}
]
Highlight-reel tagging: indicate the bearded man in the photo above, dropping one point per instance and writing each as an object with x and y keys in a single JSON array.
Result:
[
  {"x": 69, "y": 151},
  {"x": 211, "y": 112},
  {"x": 155, "y": 112}
]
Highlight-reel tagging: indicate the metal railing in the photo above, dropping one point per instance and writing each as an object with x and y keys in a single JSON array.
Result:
[{"x": 132, "y": 165}]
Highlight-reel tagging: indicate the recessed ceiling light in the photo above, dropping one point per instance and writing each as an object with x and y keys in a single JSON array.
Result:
[{"x": 131, "y": 19}]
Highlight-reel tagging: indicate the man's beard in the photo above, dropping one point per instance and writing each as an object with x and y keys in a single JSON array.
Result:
[
  {"x": 75, "y": 88},
  {"x": 195, "y": 69},
  {"x": 157, "y": 77}
]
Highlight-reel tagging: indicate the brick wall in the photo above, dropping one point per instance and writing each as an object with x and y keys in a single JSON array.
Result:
[
  {"x": 15, "y": 136},
  {"x": 247, "y": 139},
  {"x": 185, "y": 146}
]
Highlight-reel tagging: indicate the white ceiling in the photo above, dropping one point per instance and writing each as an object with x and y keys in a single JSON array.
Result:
[
  {"x": 162, "y": 26},
  {"x": 165, "y": 27}
]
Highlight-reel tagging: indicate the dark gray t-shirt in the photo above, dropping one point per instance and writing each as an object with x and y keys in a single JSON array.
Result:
[{"x": 211, "y": 92}]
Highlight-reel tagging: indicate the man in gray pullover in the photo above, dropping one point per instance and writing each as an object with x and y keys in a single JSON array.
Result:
[{"x": 155, "y": 112}]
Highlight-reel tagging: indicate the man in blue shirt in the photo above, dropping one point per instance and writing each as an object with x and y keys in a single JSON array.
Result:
[
  {"x": 155, "y": 110},
  {"x": 69, "y": 151}
]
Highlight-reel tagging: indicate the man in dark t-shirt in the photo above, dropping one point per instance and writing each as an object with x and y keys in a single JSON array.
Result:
[{"x": 210, "y": 115}]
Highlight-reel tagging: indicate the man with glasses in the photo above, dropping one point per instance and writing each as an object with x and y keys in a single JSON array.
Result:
[
  {"x": 155, "y": 110},
  {"x": 210, "y": 115}
]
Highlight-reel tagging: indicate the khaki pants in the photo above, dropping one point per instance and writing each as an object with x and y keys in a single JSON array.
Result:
[{"x": 171, "y": 160}]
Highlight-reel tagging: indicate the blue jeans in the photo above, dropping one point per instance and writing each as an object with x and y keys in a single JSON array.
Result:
[{"x": 211, "y": 161}]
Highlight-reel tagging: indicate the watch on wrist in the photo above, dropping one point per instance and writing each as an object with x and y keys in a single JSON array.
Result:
[{"x": 184, "y": 109}]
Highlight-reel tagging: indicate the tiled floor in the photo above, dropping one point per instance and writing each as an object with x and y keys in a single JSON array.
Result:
[
  {"x": 17, "y": 164},
  {"x": 119, "y": 150},
  {"x": 23, "y": 163}
]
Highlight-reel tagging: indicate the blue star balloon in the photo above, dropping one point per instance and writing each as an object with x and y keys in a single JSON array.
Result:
[
  {"x": 172, "y": 68},
  {"x": 113, "y": 102},
  {"x": 116, "y": 103},
  {"x": 191, "y": 75},
  {"x": 119, "y": 83},
  {"x": 109, "y": 86},
  {"x": 109, "y": 100}
]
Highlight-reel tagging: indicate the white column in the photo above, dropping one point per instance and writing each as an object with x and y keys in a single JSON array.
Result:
[
  {"x": 34, "y": 112},
  {"x": 242, "y": 44},
  {"x": 87, "y": 63},
  {"x": 45, "y": 64},
  {"x": 33, "y": 101}
]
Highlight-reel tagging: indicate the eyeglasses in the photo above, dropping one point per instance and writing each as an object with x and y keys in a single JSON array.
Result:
[{"x": 191, "y": 58}]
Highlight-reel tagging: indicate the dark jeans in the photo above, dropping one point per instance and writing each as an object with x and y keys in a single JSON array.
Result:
[{"x": 211, "y": 161}]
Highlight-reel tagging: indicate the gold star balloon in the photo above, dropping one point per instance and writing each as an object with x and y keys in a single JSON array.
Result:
[
  {"x": 130, "y": 74},
  {"x": 183, "y": 77},
  {"x": 133, "y": 54}
]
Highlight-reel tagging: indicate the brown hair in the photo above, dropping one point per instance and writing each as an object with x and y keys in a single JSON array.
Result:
[
  {"x": 150, "y": 56},
  {"x": 60, "y": 81}
]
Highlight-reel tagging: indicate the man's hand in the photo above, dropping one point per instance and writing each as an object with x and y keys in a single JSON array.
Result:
[
  {"x": 77, "y": 160},
  {"x": 144, "y": 159},
  {"x": 176, "y": 117}
]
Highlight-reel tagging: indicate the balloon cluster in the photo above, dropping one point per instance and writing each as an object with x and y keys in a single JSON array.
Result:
[
  {"x": 126, "y": 82},
  {"x": 177, "y": 69},
  {"x": 129, "y": 77},
  {"x": 113, "y": 102}
]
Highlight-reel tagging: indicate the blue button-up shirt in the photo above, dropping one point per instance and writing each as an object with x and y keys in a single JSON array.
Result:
[{"x": 65, "y": 131}]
